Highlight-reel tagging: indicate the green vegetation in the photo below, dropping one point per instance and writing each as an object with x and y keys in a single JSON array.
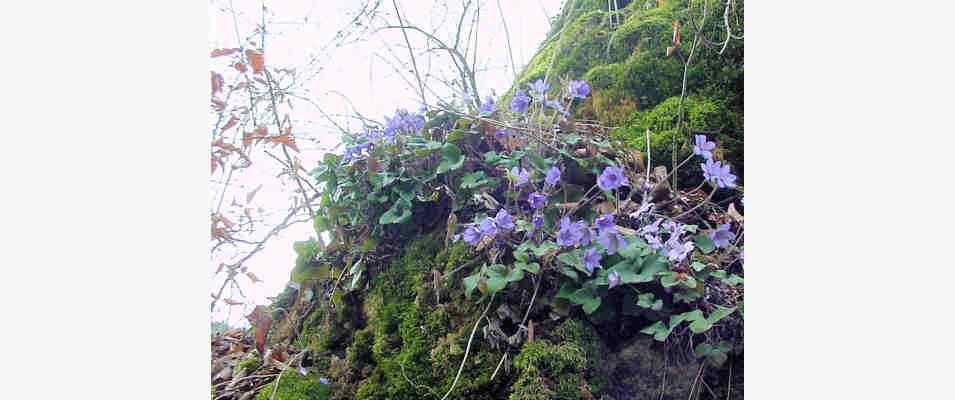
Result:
[
  {"x": 293, "y": 386},
  {"x": 393, "y": 298}
]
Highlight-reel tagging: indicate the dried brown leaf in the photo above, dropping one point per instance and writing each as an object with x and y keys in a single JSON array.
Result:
[
  {"x": 256, "y": 60},
  {"x": 255, "y": 279},
  {"x": 285, "y": 140},
  {"x": 240, "y": 67},
  {"x": 232, "y": 121},
  {"x": 223, "y": 52},
  {"x": 261, "y": 320}
]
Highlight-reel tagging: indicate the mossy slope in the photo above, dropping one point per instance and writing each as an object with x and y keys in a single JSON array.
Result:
[{"x": 636, "y": 86}]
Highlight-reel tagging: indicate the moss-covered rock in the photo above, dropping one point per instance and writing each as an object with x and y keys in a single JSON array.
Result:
[
  {"x": 640, "y": 368},
  {"x": 636, "y": 85}
]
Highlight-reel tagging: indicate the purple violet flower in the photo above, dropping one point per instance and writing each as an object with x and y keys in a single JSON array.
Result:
[
  {"x": 592, "y": 260},
  {"x": 556, "y": 106},
  {"x": 722, "y": 236},
  {"x": 503, "y": 220},
  {"x": 677, "y": 251},
  {"x": 487, "y": 107},
  {"x": 472, "y": 235},
  {"x": 716, "y": 172},
  {"x": 651, "y": 228},
  {"x": 654, "y": 241},
  {"x": 675, "y": 228},
  {"x": 323, "y": 380},
  {"x": 537, "y": 221},
  {"x": 536, "y": 200},
  {"x": 612, "y": 241},
  {"x": 403, "y": 122},
  {"x": 613, "y": 278},
  {"x": 520, "y": 176},
  {"x": 605, "y": 223},
  {"x": 586, "y": 234},
  {"x": 579, "y": 89},
  {"x": 488, "y": 227},
  {"x": 553, "y": 176},
  {"x": 357, "y": 152},
  {"x": 569, "y": 234},
  {"x": 539, "y": 86},
  {"x": 703, "y": 147},
  {"x": 520, "y": 102},
  {"x": 612, "y": 178}
]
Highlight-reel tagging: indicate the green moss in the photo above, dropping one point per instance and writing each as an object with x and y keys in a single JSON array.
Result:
[
  {"x": 585, "y": 337},
  {"x": 568, "y": 366},
  {"x": 293, "y": 386},
  {"x": 249, "y": 364},
  {"x": 359, "y": 353},
  {"x": 561, "y": 365},
  {"x": 410, "y": 337},
  {"x": 530, "y": 385},
  {"x": 330, "y": 326},
  {"x": 701, "y": 115}
]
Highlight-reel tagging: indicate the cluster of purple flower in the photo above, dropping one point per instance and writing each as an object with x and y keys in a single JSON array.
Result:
[
  {"x": 573, "y": 234},
  {"x": 720, "y": 174},
  {"x": 521, "y": 100},
  {"x": 673, "y": 248},
  {"x": 489, "y": 227},
  {"x": 519, "y": 176},
  {"x": 403, "y": 122},
  {"x": 713, "y": 171},
  {"x": 357, "y": 152},
  {"x": 578, "y": 89}
]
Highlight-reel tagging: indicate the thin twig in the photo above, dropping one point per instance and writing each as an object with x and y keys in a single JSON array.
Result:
[
  {"x": 468, "y": 349},
  {"x": 414, "y": 63},
  {"x": 499, "y": 364},
  {"x": 507, "y": 37},
  {"x": 698, "y": 205}
]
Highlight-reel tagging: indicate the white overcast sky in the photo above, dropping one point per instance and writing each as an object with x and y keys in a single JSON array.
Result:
[{"x": 298, "y": 30}]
